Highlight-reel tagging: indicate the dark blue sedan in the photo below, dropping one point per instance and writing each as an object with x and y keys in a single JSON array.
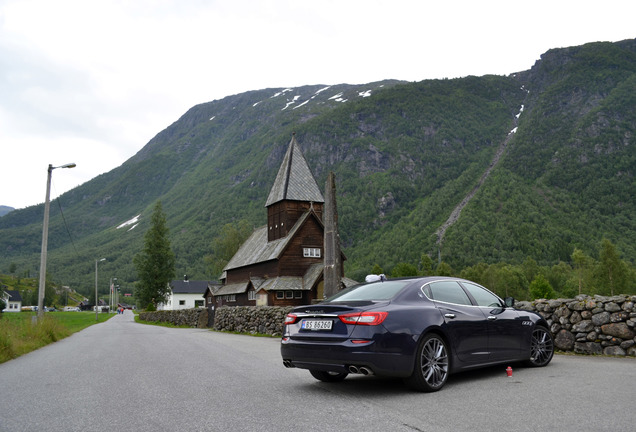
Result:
[{"x": 421, "y": 329}]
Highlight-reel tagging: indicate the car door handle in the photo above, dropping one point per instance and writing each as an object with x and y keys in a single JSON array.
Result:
[
  {"x": 449, "y": 316},
  {"x": 492, "y": 318}
]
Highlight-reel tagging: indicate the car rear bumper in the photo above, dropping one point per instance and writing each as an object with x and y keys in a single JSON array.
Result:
[{"x": 343, "y": 355}]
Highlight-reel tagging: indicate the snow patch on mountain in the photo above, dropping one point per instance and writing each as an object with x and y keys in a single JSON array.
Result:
[{"x": 130, "y": 222}]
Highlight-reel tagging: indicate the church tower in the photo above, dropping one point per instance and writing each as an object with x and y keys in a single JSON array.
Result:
[{"x": 294, "y": 192}]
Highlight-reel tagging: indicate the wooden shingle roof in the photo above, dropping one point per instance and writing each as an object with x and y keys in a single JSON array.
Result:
[
  {"x": 292, "y": 283},
  {"x": 294, "y": 180},
  {"x": 238, "y": 288},
  {"x": 313, "y": 274},
  {"x": 257, "y": 249},
  {"x": 283, "y": 283}
]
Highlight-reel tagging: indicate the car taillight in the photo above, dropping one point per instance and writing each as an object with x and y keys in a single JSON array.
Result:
[
  {"x": 290, "y": 319},
  {"x": 364, "y": 318}
]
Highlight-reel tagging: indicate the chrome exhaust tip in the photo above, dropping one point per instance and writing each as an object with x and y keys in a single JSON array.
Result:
[{"x": 359, "y": 370}]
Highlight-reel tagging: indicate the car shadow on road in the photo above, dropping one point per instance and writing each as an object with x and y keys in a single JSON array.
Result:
[
  {"x": 474, "y": 376},
  {"x": 387, "y": 386}
]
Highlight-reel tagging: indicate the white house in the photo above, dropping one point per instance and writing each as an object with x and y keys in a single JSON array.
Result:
[
  {"x": 185, "y": 294},
  {"x": 13, "y": 300}
]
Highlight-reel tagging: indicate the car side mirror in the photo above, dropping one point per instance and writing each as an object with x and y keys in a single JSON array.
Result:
[{"x": 509, "y": 302}]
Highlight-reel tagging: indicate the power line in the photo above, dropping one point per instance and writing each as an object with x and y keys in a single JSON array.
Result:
[{"x": 66, "y": 226}]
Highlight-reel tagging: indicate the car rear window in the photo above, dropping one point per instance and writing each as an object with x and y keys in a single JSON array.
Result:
[
  {"x": 370, "y": 292},
  {"x": 448, "y": 292}
]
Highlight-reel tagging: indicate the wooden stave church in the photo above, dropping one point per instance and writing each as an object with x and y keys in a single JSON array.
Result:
[{"x": 281, "y": 263}]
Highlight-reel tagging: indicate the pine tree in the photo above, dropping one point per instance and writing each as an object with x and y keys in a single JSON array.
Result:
[
  {"x": 155, "y": 264},
  {"x": 426, "y": 265},
  {"x": 582, "y": 264},
  {"x": 611, "y": 270}
]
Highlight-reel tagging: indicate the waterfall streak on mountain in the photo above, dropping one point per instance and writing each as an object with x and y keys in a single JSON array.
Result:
[{"x": 454, "y": 216}]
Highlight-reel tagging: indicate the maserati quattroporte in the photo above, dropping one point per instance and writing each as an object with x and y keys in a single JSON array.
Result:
[{"x": 421, "y": 329}]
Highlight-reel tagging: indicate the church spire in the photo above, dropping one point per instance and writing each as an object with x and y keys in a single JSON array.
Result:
[{"x": 294, "y": 181}]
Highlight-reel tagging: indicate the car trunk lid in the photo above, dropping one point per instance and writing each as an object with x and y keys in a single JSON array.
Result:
[{"x": 322, "y": 322}]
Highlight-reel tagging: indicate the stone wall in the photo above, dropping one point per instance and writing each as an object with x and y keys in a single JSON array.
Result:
[
  {"x": 590, "y": 325},
  {"x": 251, "y": 319},
  {"x": 585, "y": 325},
  {"x": 241, "y": 319},
  {"x": 183, "y": 317}
]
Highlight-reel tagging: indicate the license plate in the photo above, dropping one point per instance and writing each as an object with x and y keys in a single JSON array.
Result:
[{"x": 316, "y": 324}]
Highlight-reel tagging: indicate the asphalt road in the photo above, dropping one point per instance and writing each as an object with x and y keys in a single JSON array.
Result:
[{"x": 120, "y": 375}]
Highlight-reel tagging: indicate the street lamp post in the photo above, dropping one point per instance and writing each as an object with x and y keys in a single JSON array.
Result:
[
  {"x": 111, "y": 298},
  {"x": 96, "y": 302},
  {"x": 45, "y": 238}
]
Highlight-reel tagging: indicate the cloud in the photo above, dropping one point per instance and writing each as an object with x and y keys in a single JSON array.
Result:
[{"x": 92, "y": 82}]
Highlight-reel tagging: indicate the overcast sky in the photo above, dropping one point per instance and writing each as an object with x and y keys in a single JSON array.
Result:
[{"x": 91, "y": 82}]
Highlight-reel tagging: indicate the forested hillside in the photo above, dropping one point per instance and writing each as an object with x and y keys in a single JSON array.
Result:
[
  {"x": 404, "y": 154},
  {"x": 568, "y": 178},
  {"x": 5, "y": 209}
]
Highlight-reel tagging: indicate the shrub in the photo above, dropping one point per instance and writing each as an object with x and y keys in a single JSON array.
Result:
[{"x": 541, "y": 288}]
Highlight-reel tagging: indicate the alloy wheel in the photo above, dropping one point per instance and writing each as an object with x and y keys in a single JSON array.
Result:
[
  {"x": 542, "y": 347},
  {"x": 434, "y": 362}
]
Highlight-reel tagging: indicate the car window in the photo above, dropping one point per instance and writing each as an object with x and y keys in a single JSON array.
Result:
[
  {"x": 448, "y": 291},
  {"x": 483, "y": 297},
  {"x": 370, "y": 292}
]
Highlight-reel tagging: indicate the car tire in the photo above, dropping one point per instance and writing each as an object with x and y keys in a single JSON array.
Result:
[
  {"x": 327, "y": 376},
  {"x": 432, "y": 365},
  {"x": 541, "y": 347}
]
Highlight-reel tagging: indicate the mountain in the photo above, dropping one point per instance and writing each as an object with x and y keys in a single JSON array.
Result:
[
  {"x": 541, "y": 161},
  {"x": 5, "y": 209}
]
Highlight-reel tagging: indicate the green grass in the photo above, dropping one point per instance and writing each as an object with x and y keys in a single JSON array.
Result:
[{"x": 21, "y": 334}]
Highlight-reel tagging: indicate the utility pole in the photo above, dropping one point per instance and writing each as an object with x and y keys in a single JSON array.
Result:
[
  {"x": 333, "y": 260},
  {"x": 96, "y": 298},
  {"x": 111, "y": 298},
  {"x": 45, "y": 238}
]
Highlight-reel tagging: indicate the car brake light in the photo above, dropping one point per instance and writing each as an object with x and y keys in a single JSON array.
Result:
[
  {"x": 290, "y": 319},
  {"x": 364, "y": 318}
]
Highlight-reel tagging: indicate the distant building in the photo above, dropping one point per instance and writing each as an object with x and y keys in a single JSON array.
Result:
[
  {"x": 281, "y": 263},
  {"x": 186, "y": 294},
  {"x": 13, "y": 300}
]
